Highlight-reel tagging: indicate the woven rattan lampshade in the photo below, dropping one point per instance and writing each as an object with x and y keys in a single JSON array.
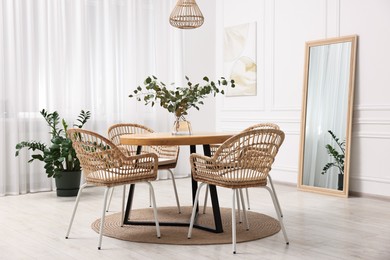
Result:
[{"x": 186, "y": 15}]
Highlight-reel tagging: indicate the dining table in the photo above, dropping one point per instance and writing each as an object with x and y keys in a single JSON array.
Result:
[{"x": 204, "y": 139}]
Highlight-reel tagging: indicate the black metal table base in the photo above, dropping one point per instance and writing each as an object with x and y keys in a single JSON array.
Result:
[
  {"x": 213, "y": 195},
  {"x": 170, "y": 224}
]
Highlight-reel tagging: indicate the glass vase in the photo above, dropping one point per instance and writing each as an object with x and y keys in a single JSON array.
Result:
[{"x": 181, "y": 126}]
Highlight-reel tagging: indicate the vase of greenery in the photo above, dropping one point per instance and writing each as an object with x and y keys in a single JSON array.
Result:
[
  {"x": 179, "y": 99},
  {"x": 338, "y": 155},
  {"x": 181, "y": 126},
  {"x": 59, "y": 157}
]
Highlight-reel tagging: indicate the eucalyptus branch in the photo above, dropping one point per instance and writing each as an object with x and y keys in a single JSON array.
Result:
[{"x": 180, "y": 99}]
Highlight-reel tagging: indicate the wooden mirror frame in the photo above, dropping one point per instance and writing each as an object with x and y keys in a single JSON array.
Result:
[{"x": 348, "y": 137}]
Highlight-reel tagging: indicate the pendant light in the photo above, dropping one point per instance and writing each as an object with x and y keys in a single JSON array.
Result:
[{"x": 186, "y": 15}]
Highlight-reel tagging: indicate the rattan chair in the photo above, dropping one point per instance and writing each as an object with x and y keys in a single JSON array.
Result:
[
  {"x": 167, "y": 155},
  {"x": 213, "y": 149},
  {"x": 103, "y": 164},
  {"x": 243, "y": 161}
]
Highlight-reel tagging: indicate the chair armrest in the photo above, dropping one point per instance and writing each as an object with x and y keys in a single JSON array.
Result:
[
  {"x": 195, "y": 157},
  {"x": 201, "y": 165}
]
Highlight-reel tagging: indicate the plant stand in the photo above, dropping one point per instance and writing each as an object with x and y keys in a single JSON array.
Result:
[{"x": 68, "y": 184}]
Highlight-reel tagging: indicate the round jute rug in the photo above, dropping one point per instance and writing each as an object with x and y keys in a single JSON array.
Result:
[{"x": 260, "y": 226}]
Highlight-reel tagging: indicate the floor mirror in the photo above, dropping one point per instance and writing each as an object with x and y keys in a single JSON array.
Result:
[{"x": 327, "y": 115}]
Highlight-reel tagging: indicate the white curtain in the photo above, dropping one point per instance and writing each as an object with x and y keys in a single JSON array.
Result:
[{"x": 68, "y": 55}]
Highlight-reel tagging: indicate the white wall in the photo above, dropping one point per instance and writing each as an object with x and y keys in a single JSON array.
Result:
[{"x": 283, "y": 27}]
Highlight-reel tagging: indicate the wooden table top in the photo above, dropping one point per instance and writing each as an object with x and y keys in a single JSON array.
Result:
[{"x": 169, "y": 139}]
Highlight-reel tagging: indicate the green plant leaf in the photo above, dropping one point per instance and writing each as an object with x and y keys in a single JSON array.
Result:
[
  {"x": 337, "y": 156},
  {"x": 180, "y": 99},
  {"x": 54, "y": 156},
  {"x": 147, "y": 80}
]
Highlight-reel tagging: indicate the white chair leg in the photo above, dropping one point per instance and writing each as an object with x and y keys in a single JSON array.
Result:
[
  {"x": 276, "y": 197},
  {"x": 174, "y": 187},
  {"x": 205, "y": 199},
  {"x": 234, "y": 222},
  {"x": 150, "y": 197},
  {"x": 154, "y": 209},
  {"x": 238, "y": 206},
  {"x": 74, "y": 209},
  {"x": 109, "y": 201},
  {"x": 123, "y": 205},
  {"x": 194, "y": 209},
  {"x": 103, "y": 217},
  {"x": 244, "y": 210},
  {"x": 247, "y": 198},
  {"x": 278, "y": 214}
]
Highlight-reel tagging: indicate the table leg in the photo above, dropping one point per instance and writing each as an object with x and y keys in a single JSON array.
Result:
[
  {"x": 129, "y": 204},
  {"x": 131, "y": 195},
  {"x": 194, "y": 184},
  {"x": 214, "y": 198}
]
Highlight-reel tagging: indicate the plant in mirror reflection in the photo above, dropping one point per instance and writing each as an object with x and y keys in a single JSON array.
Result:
[{"x": 338, "y": 156}]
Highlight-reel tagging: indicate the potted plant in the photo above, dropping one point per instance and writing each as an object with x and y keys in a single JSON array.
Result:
[
  {"x": 59, "y": 157},
  {"x": 180, "y": 99},
  {"x": 338, "y": 158}
]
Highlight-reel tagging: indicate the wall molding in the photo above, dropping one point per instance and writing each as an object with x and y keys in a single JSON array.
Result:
[
  {"x": 375, "y": 107},
  {"x": 371, "y": 179},
  {"x": 370, "y": 121},
  {"x": 280, "y": 108},
  {"x": 239, "y": 109},
  {"x": 262, "y": 120},
  {"x": 286, "y": 132},
  {"x": 373, "y": 135}
]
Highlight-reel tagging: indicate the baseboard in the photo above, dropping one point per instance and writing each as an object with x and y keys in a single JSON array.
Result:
[
  {"x": 370, "y": 196},
  {"x": 351, "y": 193}
]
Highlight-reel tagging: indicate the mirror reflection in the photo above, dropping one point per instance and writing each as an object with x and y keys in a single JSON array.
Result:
[{"x": 327, "y": 113}]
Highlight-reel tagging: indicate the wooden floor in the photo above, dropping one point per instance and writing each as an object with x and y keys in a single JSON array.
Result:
[{"x": 33, "y": 226}]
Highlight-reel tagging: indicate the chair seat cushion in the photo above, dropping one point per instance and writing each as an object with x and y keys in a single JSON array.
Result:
[
  {"x": 112, "y": 178},
  {"x": 233, "y": 178}
]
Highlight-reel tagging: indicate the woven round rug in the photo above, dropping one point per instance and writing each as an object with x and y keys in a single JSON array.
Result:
[{"x": 260, "y": 226}]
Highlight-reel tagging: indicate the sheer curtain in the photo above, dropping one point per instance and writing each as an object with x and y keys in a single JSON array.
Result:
[{"x": 68, "y": 55}]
